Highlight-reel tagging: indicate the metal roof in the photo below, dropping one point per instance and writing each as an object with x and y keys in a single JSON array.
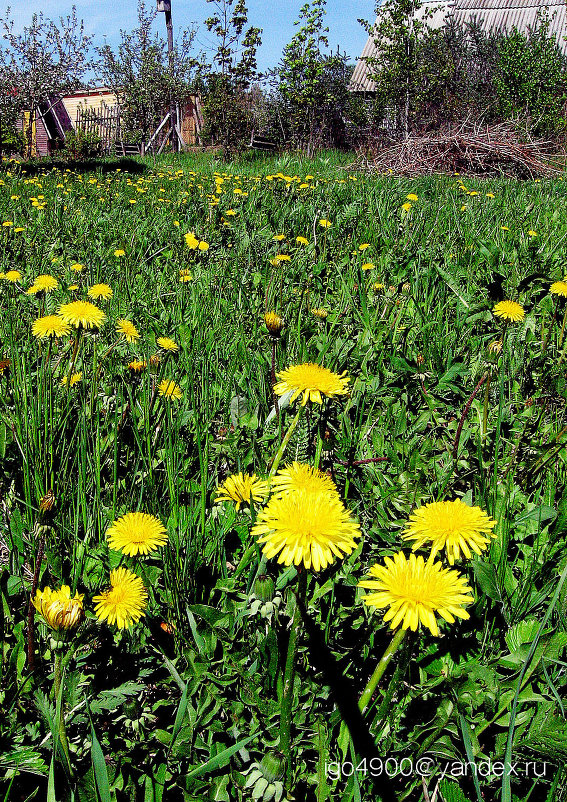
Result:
[{"x": 503, "y": 15}]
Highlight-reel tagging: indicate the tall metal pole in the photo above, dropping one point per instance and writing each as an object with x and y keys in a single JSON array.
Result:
[
  {"x": 172, "y": 111},
  {"x": 165, "y": 6}
]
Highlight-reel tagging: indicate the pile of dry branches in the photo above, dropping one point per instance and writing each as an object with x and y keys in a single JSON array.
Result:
[{"x": 487, "y": 150}]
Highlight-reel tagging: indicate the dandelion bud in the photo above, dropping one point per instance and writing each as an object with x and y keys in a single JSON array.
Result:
[
  {"x": 406, "y": 287},
  {"x": 273, "y": 766},
  {"x": 264, "y": 588},
  {"x": 59, "y": 609},
  {"x": 495, "y": 347},
  {"x": 274, "y": 324},
  {"x": 47, "y": 502}
]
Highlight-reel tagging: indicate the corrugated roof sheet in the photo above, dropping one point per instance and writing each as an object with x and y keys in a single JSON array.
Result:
[{"x": 490, "y": 14}]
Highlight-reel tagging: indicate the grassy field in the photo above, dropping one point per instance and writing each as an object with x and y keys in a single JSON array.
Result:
[{"x": 225, "y": 686}]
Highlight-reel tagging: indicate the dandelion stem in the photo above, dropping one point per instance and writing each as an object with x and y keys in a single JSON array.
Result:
[
  {"x": 273, "y": 379},
  {"x": 465, "y": 413},
  {"x": 485, "y": 408},
  {"x": 35, "y": 580},
  {"x": 285, "y": 441},
  {"x": 57, "y": 692},
  {"x": 563, "y": 328},
  {"x": 380, "y": 668},
  {"x": 547, "y": 336},
  {"x": 75, "y": 352},
  {"x": 289, "y": 676}
]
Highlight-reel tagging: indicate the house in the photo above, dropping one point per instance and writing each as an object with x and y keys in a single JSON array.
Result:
[{"x": 494, "y": 15}]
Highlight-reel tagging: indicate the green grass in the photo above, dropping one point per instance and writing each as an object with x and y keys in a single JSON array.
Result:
[{"x": 181, "y": 713}]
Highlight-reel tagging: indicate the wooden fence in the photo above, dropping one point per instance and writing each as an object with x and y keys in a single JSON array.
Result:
[{"x": 103, "y": 122}]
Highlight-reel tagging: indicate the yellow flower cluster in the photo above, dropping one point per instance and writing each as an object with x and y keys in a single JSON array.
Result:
[{"x": 414, "y": 590}]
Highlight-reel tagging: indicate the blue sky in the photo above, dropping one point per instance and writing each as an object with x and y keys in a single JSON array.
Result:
[{"x": 105, "y": 18}]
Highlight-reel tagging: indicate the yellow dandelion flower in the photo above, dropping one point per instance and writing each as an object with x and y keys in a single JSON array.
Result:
[
  {"x": 279, "y": 237},
  {"x": 124, "y": 603},
  {"x": 364, "y": 246},
  {"x": 136, "y": 533},
  {"x": 241, "y": 488},
  {"x": 559, "y": 288},
  {"x": 167, "y": 344},
  {"x": 74, "y": 379},
  {"x": 452, "y": 526},
  {"x": 368, "y": 266},
  {"x": 127, "y": 328},
  {"x": 313, "y": 381},
  {"x": 414, "y": 591},
  {"x": 50, "y": 326},
  {"x": 378, "y": 286},
  {"x": 82, "y": 313},
  {"x": 185, "y": 276},
  {"x": 302, "y": 240},
  {"x": 325, "y": 223},
  {"x": 137, "y": 365},
  {"x": 532, "y": 233},
  {"x": 77, "y": 268},
  {"x": 59, "y": 609},
  {"x": 7, "y": 224},
  {"x": 406, "y": 206},
  {"x": 169, "y": 389},
  {"x": 509, "y": 311},
  {"x": 13, "y": 276},
  {"x": 98, "y": 291},
  {"x": 191, "y": 241},
  {"x": 304, "y": 526},
  {"x": 203, "y": 246},
  {"x": 299, "y": 476},
  {"x": 43, "y": 283},
  {"x": 119, "y": 252},
  {"x": 320, "y": 313},
  {"x": 411, "y": 197}
]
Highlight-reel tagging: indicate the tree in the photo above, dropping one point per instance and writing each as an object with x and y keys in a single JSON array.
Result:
[
  {"x": 141, "y": 76},
  {"x": 43, "y": 61},
  {"x": 313, "y": 84},
  {"x": 531, "y": 78},
  {"x": 231, "y": 72},
  {"x": 397, "y": 33}
]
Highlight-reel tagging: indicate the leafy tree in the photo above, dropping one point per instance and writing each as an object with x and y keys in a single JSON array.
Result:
[
  {"x": 531, "y": 78},
  {"x": 43, "y": 61},
  {"x": 140, "y": 74},
  {"x": 228, "y": 118},
  {"x": 397, "y": 32},
  {"x": 313, "y": 84},
  {"x": 455, "y": 66}
]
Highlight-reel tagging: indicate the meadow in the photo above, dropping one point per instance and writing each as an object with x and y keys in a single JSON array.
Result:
[{"x": 228, "y": 390}]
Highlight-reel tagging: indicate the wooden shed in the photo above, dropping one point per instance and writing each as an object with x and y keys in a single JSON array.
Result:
[{"x": 95, "y": 110}]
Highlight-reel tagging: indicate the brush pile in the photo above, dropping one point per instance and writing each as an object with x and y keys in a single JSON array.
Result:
[{"x": 488, "y": 151}]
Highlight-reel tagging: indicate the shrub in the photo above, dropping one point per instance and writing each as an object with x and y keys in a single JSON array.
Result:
[{"x": 81, "y": 146}]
